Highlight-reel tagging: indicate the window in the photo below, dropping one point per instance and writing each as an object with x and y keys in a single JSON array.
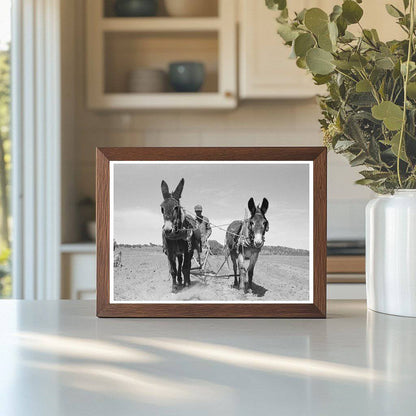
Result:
[{"x": 5, "y": 145}]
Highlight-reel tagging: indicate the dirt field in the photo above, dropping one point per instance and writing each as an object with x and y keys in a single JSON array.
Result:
[{"x": 144, "y": 276}]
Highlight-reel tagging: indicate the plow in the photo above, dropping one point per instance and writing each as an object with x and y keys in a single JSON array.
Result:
[{"x": 202, "y": 268}]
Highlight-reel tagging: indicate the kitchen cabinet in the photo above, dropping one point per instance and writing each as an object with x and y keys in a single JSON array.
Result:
[
  {"x": 265, "y": 70},
  {"x": 116, "y": 46},
  {"x": 78, "y": 263}
]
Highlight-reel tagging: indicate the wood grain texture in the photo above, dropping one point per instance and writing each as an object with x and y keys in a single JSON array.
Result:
[
  {"x": 346, "y": 264},
  {"x": 319, "y": 230},
  {"x": 317, "y": 309},
  {"x": 345, "y": 278}
]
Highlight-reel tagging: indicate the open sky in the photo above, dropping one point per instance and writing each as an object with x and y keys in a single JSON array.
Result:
[{"x": 222, "y": 189}]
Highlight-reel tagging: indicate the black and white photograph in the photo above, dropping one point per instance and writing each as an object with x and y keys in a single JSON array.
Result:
[{"x": 211, "y": 232}]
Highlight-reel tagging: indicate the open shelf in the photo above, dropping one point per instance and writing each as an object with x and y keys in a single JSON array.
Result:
[
  {"x": 80, "y": 247},
  {"x": 128, "y": 51},
  {"x": 130, "y": 101},
  {"x": 116, "y": 46},
  {"x": 160, "y": 24},
  {"x": 211, "y": 9}
]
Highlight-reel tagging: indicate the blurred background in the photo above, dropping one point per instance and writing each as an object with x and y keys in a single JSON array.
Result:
[{"x": 145, "y": 73}]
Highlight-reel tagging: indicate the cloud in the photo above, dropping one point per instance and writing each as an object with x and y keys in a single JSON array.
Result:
[{"x": 140, "y": 225}]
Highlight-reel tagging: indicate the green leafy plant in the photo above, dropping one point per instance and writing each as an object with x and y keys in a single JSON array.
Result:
[{"x": 369, "y": 113}]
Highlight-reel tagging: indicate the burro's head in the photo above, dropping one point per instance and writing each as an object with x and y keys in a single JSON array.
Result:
[
  {"x": 170, "y": 206},
  {"x": 258, "y": 224}
]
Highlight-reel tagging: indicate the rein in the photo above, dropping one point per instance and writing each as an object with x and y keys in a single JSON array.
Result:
[{"x": 246, "y": 241}]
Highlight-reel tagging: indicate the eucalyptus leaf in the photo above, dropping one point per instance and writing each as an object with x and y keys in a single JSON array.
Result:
[
  {"x": 333, "y": 32},
  {"x": 393, "y": 11},
  {"x": 348, "y": 37},
  {"x": 303, "y": 43},
  {"x": 405, "y": 21},
  {"x": 316, "y": 20},
  {"x": 368, "y": 35},
  {"x": 374, "y": 150},
  {"x": 364, "y": 181},
  {"x": 336, "y": 12},
  {"x": 342, "y": 25},
  {"x": 354, "y": 131},
  {"x": 321, "y": 79},
  {"x": 381, "y": 89},
  {"x": 394, "y": 145},
  {"x": 319, "y": 61},
  {"x": 361, "y": 99},
  {"x": 363, "y": 86},
  {"x": 412, "y": 67},
  {"x": 301, "y": 63},
  {"x": 343, "y": 145},
  {"x": 351, "y": 11},
  {"x": 411, "y": 90},
  {"x": 362, "y": 111},
  {"x": 358, "y": 61},
  {"x": 377, "y": 75},
  {"x": 343, "y": 65},
  {"x": 391, "y": 114},
  {"x": 283, "y": 17},
  {"x": 276, "y": 4},
  {"x": 375, "y": 35},
  {"x": 396, "y": 70},
  {"x": 374, "y": 175},
  {"x": 358, "y": 160},
  {"x": 325, "y": 42},
  {"x": 385, "y": 63},
  {"x": 286, "y": 32},
  {"x": 300, "y": 17}
]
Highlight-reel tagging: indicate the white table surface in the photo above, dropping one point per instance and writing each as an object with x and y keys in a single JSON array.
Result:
[{"x": 58, "y": 359}]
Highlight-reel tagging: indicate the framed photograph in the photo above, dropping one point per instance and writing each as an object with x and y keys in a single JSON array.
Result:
[{"x": 211, "y": 232}]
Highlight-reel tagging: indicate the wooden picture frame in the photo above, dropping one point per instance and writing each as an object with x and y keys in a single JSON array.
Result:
[{"x": 316, "y": 308}]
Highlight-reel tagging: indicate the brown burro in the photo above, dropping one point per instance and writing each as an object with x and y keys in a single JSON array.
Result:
[
  {"x": 180, "y": 235},
  {"x": 244, "y": 241}
]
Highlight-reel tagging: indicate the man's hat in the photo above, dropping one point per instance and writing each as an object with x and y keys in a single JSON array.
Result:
[{"x": 198, "y": 207}]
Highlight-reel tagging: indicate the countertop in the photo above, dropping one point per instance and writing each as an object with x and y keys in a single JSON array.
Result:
[{"x": 57, "y": 358}]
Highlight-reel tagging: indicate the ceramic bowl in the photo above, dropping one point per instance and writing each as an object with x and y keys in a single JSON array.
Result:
[
  {"x": 135, "y": 8},
  {"x": 147, "y": 80},
  {"x": 186, "y": 76}
]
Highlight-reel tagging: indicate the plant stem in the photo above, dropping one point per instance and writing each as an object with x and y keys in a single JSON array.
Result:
[
  {"x": 373, "y": 89},
  {"x": 406, "y": 80},
  {"x": 345, "y": 75}
]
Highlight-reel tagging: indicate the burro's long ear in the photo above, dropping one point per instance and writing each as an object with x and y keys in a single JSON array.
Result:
[
  {"x": 165, "y": 190},
  {"x": 252, "y": 206},
  {"x": 178, "y": 191},
  {"x": 264, "y": 206}
]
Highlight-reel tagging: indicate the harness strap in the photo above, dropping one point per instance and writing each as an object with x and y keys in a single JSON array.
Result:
[{"x": 243, "y": 237}]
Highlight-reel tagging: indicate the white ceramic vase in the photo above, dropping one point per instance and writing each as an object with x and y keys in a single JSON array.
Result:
[{"x": 391, "y": 253}]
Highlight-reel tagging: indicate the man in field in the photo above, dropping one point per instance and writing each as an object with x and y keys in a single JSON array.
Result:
[{"x": 204, "y": 228}]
